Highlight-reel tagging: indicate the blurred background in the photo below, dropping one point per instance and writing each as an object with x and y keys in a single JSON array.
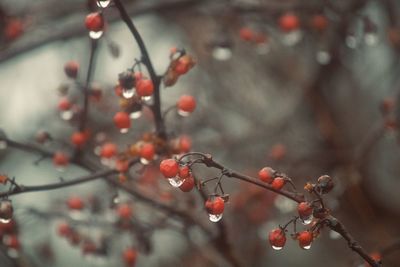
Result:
[{"x": 308, "y": 98}]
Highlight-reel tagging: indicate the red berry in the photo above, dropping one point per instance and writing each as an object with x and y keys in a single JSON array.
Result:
[
  {"x": 13, "y": 29},
  {"x": 246, "y": 34},
  {"x": 122, "y": 165},
  {"x": 182, "y": 66},
  {"x": 122, "y": 120},
  {"x": 376, "y": 256},
  {"x": 94, "y": 22},
  {"x": 147, "y": 151},
  {"x": 71, "y": 69},
  {"x": 184, "y": 172},
  {"x": 319, "y": 22},
  {"x": 186, "y": 103},
  {"x": 278, "y": 183},
  {"x": 124, "y": 211},
  {"x": 108, "y": 150},
  {"x": 277, "y": 238},
  {"x": 78, "y": 139},
  {"x": 64, "y": 104},
  {"x": 60, "y": 159},
  {"x": 12, "y": 241},
  {"x": 188, "y": 184},
  {"x": 266, "y": 174},
  {"x": 289, "y": 22},
  {"x": 215, "y": 205},
  {"x": 64, "y": 229},
  {"x": 169, "y": 168},
  {"x": 75, "y": 203},
  {"x": 144, "y": 87},
  {"x": 304, "y": 209},
  {"x": 305, "y": 239},
  {"x": 129, "y": 256},
  {"x": 185, "y": 144}
]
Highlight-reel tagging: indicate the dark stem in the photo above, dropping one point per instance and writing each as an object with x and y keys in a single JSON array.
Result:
[{"x": 156, "y": 107}]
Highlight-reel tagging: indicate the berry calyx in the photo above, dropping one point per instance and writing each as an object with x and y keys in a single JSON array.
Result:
[
  {"x": 75, "y": 203},
  {"x": 129, "y": 256},
  {"x": 215, "y": 205},
  {"x": 289, "y": 22},
  {"x": 60, "y": 159},
  {"x": 124, "y": 211},
  {"x": 277, "y": 238},
  {"x": 78, "y": 139},
  {"x": 188, "y": 184},
  {"x": 108, "y": 150},
  {"x": 305, "y": 239},
  {"x": 144, "y": 87},
  {"x": 147, "y": 151},
  {"x": 278, "y": 183},
  {"x": 169, "y": 168},
  {"x": 122, "y": 120},
  {"x": 71, "y": 69},
  {"x": 186, "y": 103},
  {"x": 94, "y": 22},
  {"x": 305, "y": 210},
  {"x": 266, "y": 174}
]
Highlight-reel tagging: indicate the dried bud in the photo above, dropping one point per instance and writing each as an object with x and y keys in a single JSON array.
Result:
[
  {"x": 324, "y": 184},
  {"x": 126, "y": 79}
]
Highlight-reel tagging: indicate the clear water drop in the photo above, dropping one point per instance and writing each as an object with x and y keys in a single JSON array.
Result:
[
  {"x": 371, "y": 38},
  {"x": 334, "y": 235},
  {"x": 146, "y": 98},
  {"x": 221, "y": 53},
  {"x": 95, "y": 35},
  {"x": 306, "y": 247},
  {"x": 124, "y": 130},
  {"x": 67, "y": 115},
  {"x": 277, "y": 248},
  {"x": 215, "y": 217},
  {"x": 103, "y": 3},
  {"x": 306, "y": 221},
  {"x": 351, "y": 41},
  {"x": 323, "y": 57},
  {"x": 292, "y": 38},
  {"x": 128, "y": 93},
  {"x": 135, "y": 115},
  {"x": 183, "y": 113},
  {"x": 144, "y": 161},
  {"x": 176, "y": 181},
  {"x": 3, "y": 144},
  {"x": 4, "y": 220}
]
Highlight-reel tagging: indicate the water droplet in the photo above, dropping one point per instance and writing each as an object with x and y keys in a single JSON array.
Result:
[
  {"x": 351, "y": 41},
  {"x": 176, "y": 181},
  {"x": 334, "y": 235},
  {"x": 222, "y": 53},
  {"x": 323, "y": 57},
  {"x": 146, "y": 98},
  {"x": 128, "y": 93},
  {"x": 95, "y": 35},
  {"x": 3, "y": 144},
  {"x": 292, "y": 38},
  {"x": 4, "y": 220},
  {"x": 306, "y": 221},
  {"x": 116, "y": 199},
  {"x": 371, "y": 39},
  {"x": 144, "y": 161},
  {"x": 103, "y": 3},
  {"x": 67, "y": 115},
  {"x": 183, "y": 113},
  {"x": 135, "y": 115},
  {"x": 215, "y": 217},
  {"x": 124, "y": 130},
  {"x": 277, "y": 248},
  {"x": 306, "y": 247}
]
